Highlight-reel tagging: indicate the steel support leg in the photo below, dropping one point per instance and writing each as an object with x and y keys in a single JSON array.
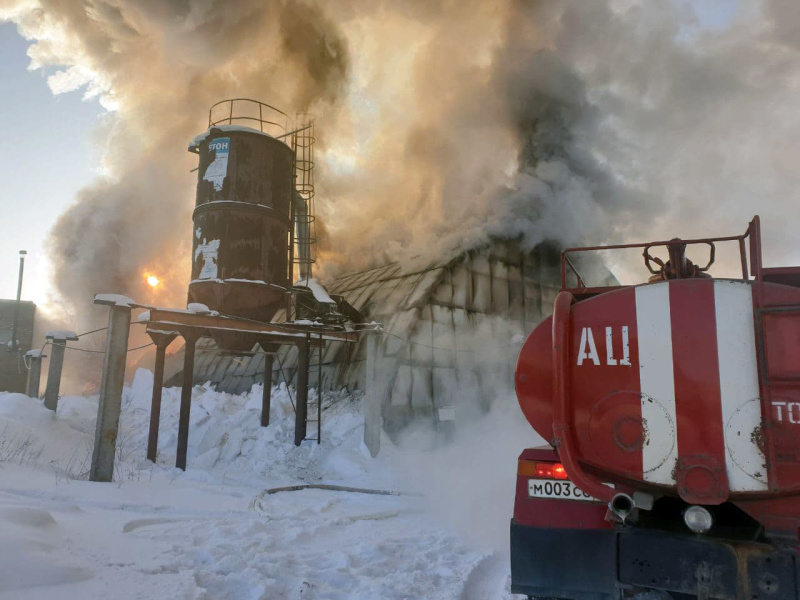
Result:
[
  {"x": 319, "y": 391},
  {"x": 35, "y": 376},
  {"x": 302, "y": 391},
  {"x": 108, "y": 411},
  {"x": 161, "y": 340},
  {"x": 267, "y": 395},
  {"x": 54, "y": 374},
  {"x": 186, "y": 402}
]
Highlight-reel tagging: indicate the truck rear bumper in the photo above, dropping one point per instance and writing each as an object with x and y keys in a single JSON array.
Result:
[{"x": 596, "y": 564}]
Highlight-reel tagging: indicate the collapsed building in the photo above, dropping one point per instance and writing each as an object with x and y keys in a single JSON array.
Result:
[{"x": 449, "y": 331}]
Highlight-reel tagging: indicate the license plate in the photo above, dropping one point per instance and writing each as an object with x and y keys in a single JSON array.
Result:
[{"x": 564, "y": 489}]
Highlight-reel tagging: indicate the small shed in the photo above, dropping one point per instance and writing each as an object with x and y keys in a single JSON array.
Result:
[{"x": 13, "y": 374}]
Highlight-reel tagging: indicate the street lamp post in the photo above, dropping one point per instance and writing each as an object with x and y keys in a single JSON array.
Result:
[{"x": 14, "y": 342}]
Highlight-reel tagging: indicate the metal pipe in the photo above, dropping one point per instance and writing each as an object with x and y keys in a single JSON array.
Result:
[
  {"x": 743, "y": 256},
  {"x": 14, "y": 341},
  {"x": 729, "y": 238},
  {"x": 562, "y": 430},
  {"x": 303, "y": 225},
  {"x": 277, "y": 137},
  {"x": 756, "y": 260},
  {"x": 293, "y": 218},
  {"x": 110, "y": 406},
  {"x": 621, "y": 506}
]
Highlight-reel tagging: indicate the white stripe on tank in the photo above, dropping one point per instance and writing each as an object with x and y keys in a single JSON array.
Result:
[
  {"x": 738, "y": 383},
  {"x": 657, "y": 382}
]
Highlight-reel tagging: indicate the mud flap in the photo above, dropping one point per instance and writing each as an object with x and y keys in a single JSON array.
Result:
[
  {"x": 706, "y": 567},
  {"x": 563, "y": 563}
]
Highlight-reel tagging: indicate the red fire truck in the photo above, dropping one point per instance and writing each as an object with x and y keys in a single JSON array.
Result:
[{"x": 672, "y": 412}]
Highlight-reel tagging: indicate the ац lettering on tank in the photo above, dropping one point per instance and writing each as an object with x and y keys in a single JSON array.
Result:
[{"x": 587, "y": 349}]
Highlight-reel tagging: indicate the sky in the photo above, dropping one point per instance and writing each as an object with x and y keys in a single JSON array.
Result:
[
  {"x": 48, "y": 155},
  {"x": 714, "y": 14}
]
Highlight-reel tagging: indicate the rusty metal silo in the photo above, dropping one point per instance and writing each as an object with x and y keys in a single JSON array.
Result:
[{"x": 242, "y": 216}]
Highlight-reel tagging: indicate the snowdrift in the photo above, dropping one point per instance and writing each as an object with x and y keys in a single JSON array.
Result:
[{"x": 212, "y": 532}]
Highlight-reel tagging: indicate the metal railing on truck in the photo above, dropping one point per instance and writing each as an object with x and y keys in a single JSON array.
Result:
[{"x": 752, "y": 234}]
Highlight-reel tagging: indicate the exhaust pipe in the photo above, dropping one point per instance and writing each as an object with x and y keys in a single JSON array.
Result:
[{"x": 621, "y": 506}]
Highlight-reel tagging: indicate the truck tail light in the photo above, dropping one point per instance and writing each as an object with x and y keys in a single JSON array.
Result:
[{"x": 541, "y": 470}]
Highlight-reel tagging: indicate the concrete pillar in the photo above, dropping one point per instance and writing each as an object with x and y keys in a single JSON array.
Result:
[
  {"x": 266, "y": 398},
  {"x": 59, "y": 341},
  {"x": 373, "y": 395},
  {"x": 108, "y": 411},
  {"x": 302, "y": 391},
  {"x": 161, "y": 340},
  {"x": 186, "y": 401},
  {"x": 34, "y": 371}
]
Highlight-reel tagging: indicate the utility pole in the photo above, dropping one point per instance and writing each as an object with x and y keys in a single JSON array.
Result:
[{"x": 13, "y": 346}]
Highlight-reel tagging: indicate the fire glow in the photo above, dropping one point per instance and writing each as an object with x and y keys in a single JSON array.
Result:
[{"x": 153, "y": 281}]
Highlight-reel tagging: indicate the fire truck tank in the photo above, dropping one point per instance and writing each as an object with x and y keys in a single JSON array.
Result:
[{"x": 242, "y": 220}]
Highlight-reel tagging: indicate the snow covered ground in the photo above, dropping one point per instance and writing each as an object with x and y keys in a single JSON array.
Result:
[{"x": 213, "y": 533}]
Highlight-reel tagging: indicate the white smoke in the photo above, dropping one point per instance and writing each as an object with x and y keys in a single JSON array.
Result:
[{"x": 439, "y": 124}]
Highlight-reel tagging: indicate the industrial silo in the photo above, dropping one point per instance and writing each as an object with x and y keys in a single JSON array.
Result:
[{"x": 242, "y": 217}]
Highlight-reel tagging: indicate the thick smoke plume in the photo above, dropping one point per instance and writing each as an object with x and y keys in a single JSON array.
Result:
[
  {"x": 158, "y": 66},
  {"x": 440, "y": 124},
  {"x": 579, "y": 121}
]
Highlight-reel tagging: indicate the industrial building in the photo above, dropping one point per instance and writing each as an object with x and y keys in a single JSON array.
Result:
[
  {"x": 451, "y": 331},
  {"x": 446, "y": 330}
]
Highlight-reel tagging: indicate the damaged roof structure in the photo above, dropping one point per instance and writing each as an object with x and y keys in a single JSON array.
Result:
[{"x": 450, "y": 331}]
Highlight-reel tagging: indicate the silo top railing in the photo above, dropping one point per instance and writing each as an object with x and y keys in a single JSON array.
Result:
[{"x": 248, "y": 112}]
